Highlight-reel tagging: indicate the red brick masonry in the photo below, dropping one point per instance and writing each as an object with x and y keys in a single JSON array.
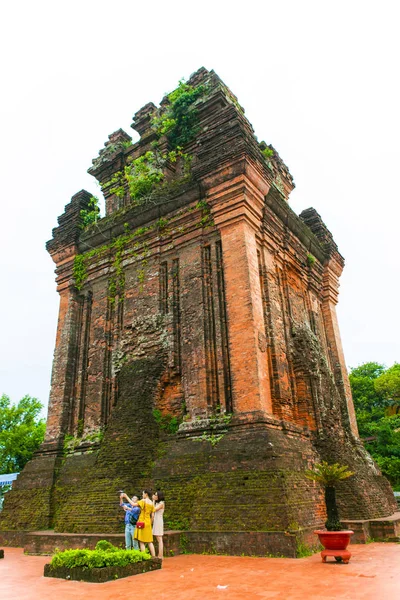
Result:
[{"x": 211, "y": 306}]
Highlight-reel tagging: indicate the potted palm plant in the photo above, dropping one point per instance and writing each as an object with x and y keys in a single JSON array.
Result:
[{"x": 335, "y": 539}]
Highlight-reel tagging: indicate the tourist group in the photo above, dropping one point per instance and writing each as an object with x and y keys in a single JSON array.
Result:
[{"x": 143, "y": 519}]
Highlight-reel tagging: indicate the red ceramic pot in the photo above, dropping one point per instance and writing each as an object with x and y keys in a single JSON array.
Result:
[
  {"x": 334, "y": 540},
  {"x": 335, "y": 544}
]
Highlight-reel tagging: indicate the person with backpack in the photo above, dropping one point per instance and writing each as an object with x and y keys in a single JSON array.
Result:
[
  {"x": 143, "y": 532},
  {"x": 131, "y": 516}
]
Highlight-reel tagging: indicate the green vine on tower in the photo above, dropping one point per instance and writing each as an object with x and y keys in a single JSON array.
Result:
[
  {"x": 91, "y": 214},
  {"x": 177, "y": 121}
]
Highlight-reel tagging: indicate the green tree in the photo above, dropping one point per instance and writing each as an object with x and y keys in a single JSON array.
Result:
[
  {"x": 387, "y": 385},
  {"x": 376, "y": 395},
  {"x": 21, "y": 432},
  {"x": 369, "y": 403},
  {"x": 362, "y": 380}
]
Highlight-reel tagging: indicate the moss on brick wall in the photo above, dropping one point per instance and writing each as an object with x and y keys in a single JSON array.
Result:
[
  {"x": 27, "y": 510},
  {"x": 251, "y": 480},
  {"x": 28, "y": 505},
  {"x": 239, "y": 484},
  {"x": 87, "y": 498}
]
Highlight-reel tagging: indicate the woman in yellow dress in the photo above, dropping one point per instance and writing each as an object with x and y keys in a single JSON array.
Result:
[{"x": 145, "y": 534}]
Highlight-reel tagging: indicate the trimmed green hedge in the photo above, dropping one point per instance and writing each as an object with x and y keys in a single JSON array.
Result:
[{"x": 105, "y": 555}]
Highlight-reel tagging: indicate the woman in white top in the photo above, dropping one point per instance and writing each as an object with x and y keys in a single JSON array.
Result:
[{"x": 158, "y": 520}]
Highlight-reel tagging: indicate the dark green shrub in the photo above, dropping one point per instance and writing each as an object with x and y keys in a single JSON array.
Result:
[
  {"x": 106, "y": 546},
  {"x": 179, "y": 121},
  {"x": 105, "y": 555},
  {"x": 167, "y": 422},
  {"x": 91, "y": 214}
]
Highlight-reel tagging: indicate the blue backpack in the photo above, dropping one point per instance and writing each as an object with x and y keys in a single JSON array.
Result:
[{"x": 133, "y": 518}]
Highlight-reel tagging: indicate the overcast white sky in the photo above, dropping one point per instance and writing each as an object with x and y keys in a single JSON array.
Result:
[{"x": 319, "y": 80}]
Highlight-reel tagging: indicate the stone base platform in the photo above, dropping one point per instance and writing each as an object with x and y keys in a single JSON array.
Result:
[
  {"x": 385, "y": 529},
  {"x": 234, "y": 543},
  {"x": 45, "y": 542}
]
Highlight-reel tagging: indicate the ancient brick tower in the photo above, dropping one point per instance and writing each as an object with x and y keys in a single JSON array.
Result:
[{"x": 197, "y": 347}]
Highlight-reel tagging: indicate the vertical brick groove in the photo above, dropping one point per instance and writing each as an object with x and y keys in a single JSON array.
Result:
[
  {"x": 85, "y": 356},
  {"x": 224, "y": 329},
  {"x": 163, "y": 287},
  {"x": 213, "y": 399},
  {"x": 107, "y": 364},
  {"x": 285, "y": 310},
  {"x": 269, "y": 330},
  {"x": 73, "y": 407},
  {"x": 176, "y": 315}
]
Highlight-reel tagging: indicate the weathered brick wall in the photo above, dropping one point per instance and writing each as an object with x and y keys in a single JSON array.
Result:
[
  {"x": 251, "y": 480},
  {"x": 30, "y": 503},
  {"x": 86, "y": 492},
  {"x": 212, "y": 299}
]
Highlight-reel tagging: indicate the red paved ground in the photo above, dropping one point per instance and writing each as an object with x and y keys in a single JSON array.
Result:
[{"x": 372, "y": 574}]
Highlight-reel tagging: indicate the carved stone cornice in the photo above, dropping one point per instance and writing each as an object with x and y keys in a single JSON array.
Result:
[{"x": 66, "y": 235}]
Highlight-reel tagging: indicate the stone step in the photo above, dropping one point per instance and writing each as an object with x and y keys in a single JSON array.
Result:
[
  {"x": 45, "y": 542},
  {"x": 250, "y": 543},
  {"x": 384, "y": 529}
]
